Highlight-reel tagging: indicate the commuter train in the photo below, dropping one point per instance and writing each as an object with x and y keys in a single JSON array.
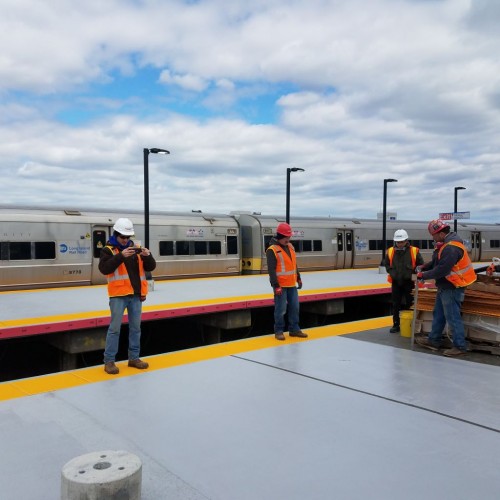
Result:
[{"x": 42, "y": 248}]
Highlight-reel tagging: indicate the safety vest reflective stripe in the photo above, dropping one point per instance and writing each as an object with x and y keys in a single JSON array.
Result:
[
  {"x": 413, "y": 253},
  {"x": 119, "y": 283},
  {"x": 462, "y": 273},
  {"x": 286, "y": 266}
]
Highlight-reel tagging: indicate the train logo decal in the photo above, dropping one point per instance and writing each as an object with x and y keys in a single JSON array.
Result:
[
  {"x": 73, "y": 249},
  {"x": 194, "y": 232},
  {"x": 361, "y": 245}
]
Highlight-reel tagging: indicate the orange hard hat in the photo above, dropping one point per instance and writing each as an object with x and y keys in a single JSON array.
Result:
[
  {"x": 284, "y": 229},
  {"x": 436, "y": 226}
]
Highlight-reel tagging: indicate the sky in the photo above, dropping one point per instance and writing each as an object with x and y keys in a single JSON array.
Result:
[{"x": 351, "y": 91}]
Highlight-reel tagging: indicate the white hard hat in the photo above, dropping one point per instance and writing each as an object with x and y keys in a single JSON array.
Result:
[
  {"x": 400, "y": 235},
  {"x": 124, "y": 226}
]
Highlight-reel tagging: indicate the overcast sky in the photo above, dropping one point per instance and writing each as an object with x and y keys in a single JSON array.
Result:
[{"x": 352, "y": 91}]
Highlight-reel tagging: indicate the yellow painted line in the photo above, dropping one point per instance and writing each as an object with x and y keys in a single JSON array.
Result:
[
  {"x": 59, "y": 318},
  {"x": 48, "y": 383}
]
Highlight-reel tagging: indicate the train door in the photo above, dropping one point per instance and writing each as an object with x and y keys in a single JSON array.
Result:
[
  {"x": 475, "y": 243},
  {"x": 99, "y": 238},
  {"x": 345, "y": 249}
]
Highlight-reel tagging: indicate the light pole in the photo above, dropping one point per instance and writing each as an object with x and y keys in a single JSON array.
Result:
[
  {"x": 288, "y": 170},
  {"x": 455, "y": 208},
  {"x": 146, "y": 189},
  {"x": 384, "y": 220}
]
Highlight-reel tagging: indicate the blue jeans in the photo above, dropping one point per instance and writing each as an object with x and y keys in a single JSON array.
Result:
[
  {"x": 447, "y": 310},
  {"x": 290, "y": 295},
  {"x": 118, "y": 305}
]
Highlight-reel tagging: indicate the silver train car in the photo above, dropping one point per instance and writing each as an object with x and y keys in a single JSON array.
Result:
[
  {"x": 335, "y": 243},
  {"x": 42, "y": 248},
  {"x": 52, "y": 247}
]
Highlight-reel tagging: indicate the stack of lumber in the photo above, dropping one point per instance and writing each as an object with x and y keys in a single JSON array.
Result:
[
  {"x": 481, "y": 298},
  {"x": 480, "y": 312}
]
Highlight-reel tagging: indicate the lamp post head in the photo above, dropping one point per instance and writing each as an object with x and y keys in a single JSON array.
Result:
[
  {"x": 390, "y": 180},
  {"x": 158, "y": 151},
  {"x": 459, "y": 187},
  {"x": 295, "y": 169}
]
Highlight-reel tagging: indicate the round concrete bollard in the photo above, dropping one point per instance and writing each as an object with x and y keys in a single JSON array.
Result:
[{"x": 103, "y": 475}]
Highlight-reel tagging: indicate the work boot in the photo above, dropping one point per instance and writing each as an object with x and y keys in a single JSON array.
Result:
[
  {"x": 137, "y": 363},
  {"x": 110, "y": 368},
  {"x": 299, "y": 333},
  {"x": 424, "y": 342},
  {"x": 279, "y": 336},
  {"x": 395, "y": 329},
  {"x": 454, "y": 352}
]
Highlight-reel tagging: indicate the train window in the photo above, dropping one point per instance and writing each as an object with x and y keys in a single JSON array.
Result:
[
  {"x": 348, "y": 241},
  {"x": 307, "y": 245},
  {"x": 4, "y": 251},
  {"x": 99, "y": 239},
  {"x": 267, "y": 241},
  {"x": 317, "y": 246},
  {"x": 494, "y": 243},
  {"x": 182, "y": 247},
  {"x": 200, "y": 248},
  {"x": 20, "y": 250},
  {"x": 166, "y": 248},
  {"x": 422, "y": 244},
  {"x": 214, "y": 248},
  {"x": 340, "y": 242},
  {"x": 232, "y": 245},
  {"x": 297, "y": 245},
  {"x": 378, "y": 244},
  {"x": 45, "y": 250}
]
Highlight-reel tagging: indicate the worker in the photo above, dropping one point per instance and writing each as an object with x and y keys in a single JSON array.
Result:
[
  {"x": 400, "y": 263},
  {"x": 125, "y": 266},
  {"x": 453, "y": 271},
  {"x": 285, "y": 280}
]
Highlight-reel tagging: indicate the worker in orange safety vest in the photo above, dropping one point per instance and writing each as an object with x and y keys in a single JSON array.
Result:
[
  {"x": 285, "y": 280},
  {"x": 400, "y": 263},
  {"x": 453, "y": 271}
]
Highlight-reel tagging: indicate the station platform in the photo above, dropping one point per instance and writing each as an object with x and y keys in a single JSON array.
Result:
[
  {"x": 324, "y": 417},
  {"x": 34, "y": 312}
]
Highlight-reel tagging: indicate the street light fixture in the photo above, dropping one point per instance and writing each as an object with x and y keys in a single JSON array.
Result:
[
  {"x": 146, "y": 189},
  {"x": 455, "y": 207},
  {"x": 288, "y": 170},
  {"x": 384, "y": 220}
]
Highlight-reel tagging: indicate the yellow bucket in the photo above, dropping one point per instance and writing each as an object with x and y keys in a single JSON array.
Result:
[{"x": 405, "y": 320}]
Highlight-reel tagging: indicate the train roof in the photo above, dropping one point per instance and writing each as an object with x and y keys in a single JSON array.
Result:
[{"x": 108, "y": 215}]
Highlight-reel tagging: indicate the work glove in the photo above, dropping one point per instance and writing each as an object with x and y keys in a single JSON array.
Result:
[
  {"x": 418, "y": 269},
  {"x": 299, "y": 284},
  {"x": 420, "y": 276},
  {"x": 278, "y": 290}
]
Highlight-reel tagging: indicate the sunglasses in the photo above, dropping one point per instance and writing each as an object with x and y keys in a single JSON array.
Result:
[{"x": 124, "y": 237}]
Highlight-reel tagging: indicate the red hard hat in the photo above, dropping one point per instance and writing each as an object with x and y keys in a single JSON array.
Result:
[
  {"x": 436, "y": 226},
  {"x": 284, "y": 229}
]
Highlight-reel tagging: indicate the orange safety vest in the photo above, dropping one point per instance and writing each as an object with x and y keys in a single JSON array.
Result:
[
  {"x": 413, "y": 253},
  {"x": 119, "y": 283},
  {"x": 286, "y": 266},
  {"x": 462, "y": 273}
]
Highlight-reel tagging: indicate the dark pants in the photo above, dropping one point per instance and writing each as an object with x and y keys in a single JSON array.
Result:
[{"x": 401, "y": 299}]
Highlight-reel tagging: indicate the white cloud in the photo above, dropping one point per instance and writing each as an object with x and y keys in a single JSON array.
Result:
[
  {"x": 351, "y": 91},
  {"x": 187, "y": 81}
]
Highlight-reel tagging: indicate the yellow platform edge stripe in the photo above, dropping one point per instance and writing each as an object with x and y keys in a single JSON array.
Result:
[{"x": 65, "y": 380}]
